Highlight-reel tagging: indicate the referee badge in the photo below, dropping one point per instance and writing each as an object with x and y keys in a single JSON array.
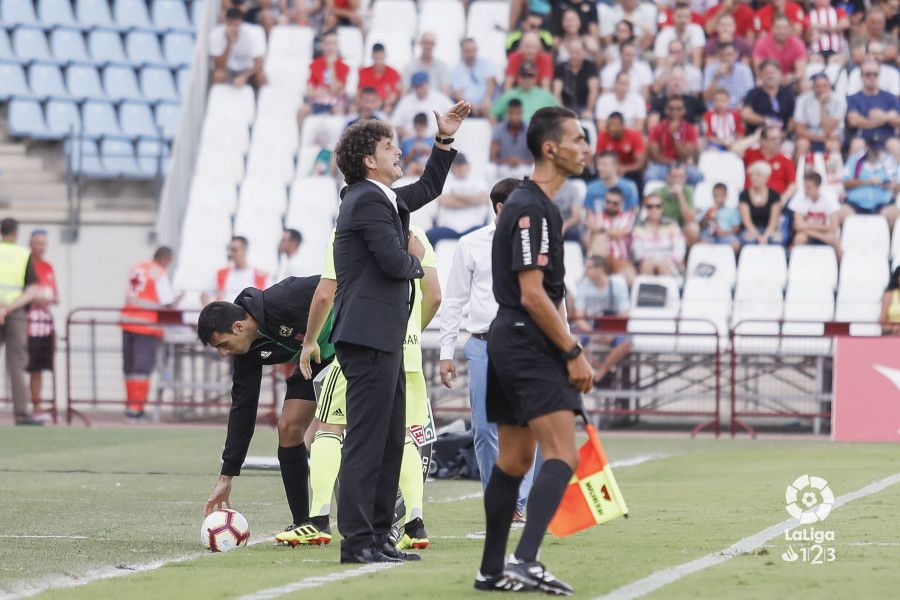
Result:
[
  {"x": 524, "y": 222},
  {"x": 285, "y": 331}
]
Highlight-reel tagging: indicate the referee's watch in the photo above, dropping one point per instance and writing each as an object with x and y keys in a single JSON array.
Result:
[
  {"x": 574, "y": 353},
  {"x": 443, "y": 140}
]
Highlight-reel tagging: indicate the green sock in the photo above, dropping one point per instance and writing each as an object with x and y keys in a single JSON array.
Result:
[
  {"x": 411, "y": 484},
  {"x": 324, "y": 464}
]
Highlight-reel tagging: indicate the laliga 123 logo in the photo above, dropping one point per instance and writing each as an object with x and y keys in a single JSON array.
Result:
[{"x": 809, "y": 499}]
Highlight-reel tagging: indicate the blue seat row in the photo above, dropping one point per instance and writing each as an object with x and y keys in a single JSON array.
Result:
[
  {"x": 123, "y": 15},
  {"x": 117, "y": 157},
  {"x": 102, "y": 47}
]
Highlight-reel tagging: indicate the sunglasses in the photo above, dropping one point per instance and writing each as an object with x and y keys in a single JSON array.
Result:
[
  {"x": 871, "y": 74},
  {"x": 649, "y": 206}
]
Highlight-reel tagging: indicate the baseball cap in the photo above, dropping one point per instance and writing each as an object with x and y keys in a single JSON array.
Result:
[
  {"x": 527, "y": 69},
  {"x": 419, "y": 78}
]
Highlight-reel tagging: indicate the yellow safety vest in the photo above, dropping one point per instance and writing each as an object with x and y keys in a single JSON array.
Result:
[{"x": 13, "y": 264}]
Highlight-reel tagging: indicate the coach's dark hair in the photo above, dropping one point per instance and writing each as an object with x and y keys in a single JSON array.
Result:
[
  {"x": 295, "y": 235},
  {"x": 501, "y": 191},
  {"x": 814, "y": 177},
  {"x": 357, "y": 142},
  {"x": 163, "y": 253},
  {"x": 8, "y": 226},
  {"x": 218, "y": 317},
  {"x": 546, "y": 124}
]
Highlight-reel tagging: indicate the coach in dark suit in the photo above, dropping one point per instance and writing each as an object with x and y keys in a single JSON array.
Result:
[{"x": 375, "y": 260}]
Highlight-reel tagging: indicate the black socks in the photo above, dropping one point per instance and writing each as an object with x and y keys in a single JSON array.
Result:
[
  {"x": 546, "y": 493},
  {"x": 295, "y": 475},
  {"x": 500, "y": 497}
]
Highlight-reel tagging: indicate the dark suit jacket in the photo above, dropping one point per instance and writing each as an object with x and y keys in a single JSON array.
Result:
[{"x": 371, "y": 262}]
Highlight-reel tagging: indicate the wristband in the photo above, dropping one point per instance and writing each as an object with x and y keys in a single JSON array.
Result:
[
  {"x": 574, "y": 353},
  {"x": 443, "y": 140}
]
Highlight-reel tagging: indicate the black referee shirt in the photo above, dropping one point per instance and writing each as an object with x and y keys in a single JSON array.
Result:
[{"x": 528, "y": 236}]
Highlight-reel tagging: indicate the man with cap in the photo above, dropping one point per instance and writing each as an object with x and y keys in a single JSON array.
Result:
[
  {"x": 527, "y": 91},
  {"x": 421, "y": 99}
]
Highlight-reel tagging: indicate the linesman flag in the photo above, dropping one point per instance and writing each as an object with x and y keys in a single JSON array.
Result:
[{"x": 593, "y": 496}]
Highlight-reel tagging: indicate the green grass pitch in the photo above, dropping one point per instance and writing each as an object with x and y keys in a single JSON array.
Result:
[{"x": 125, "y": 497}]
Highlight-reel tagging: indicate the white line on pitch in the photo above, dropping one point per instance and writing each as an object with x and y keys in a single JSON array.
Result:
[
  {"x": 43, "y": 537},
  {"x": 658, "y": 579},
  {"x": 317, "y": 580}
]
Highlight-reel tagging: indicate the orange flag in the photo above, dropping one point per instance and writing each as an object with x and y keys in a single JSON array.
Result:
[{"x": 593, "y": 496}]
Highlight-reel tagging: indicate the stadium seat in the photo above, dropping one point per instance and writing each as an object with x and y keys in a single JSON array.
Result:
[
  {"x": 84, "y": 158},
  {"x": 895, "y": 245},
  {"x": 18, "y": 12},
  {"x": 866, "y": 232},
  {"x": 12, "y": 81},
  {"x": 397, "y": 48},
  {"x": 763, "y": 264},
  {"x": 573, "y": 260},
  {"x": 806, "y": 308},
  {"x": 67, "y": 46},
  {"x": 487, "y": 17},
  {"x": 229, "y": 134},
  {"x": 863, "y": 316},
  {"x": 183, "y": 79},
  {"x": 121, "y": 84},
  {"x": 178, "y": 49},
  {"x": 713, "y": 262},
  {"x": 704, "y": 318},
  {"x": 863, "y": 277},
  {"x": 63, "y": 118},
  {"x": 813, "y": 265},
  {"x": 757, "y": 310},
  {"x": 655, "y": 304},
  {"x": 228, "y": 102},
  {"x": 198, "y": 13},
  {"x": 217, "y": 161},
  {"x": 475, "y": 143},
  {"x": 446, "y": 19},
  {"x": 213, "y": 196},
  {"x": 137, "y": 121},
  {"x": 94, "y": 14},
  {"x": 399, "y": 16},
  {"x": 152, "y": 157},
  {"x": 291, "y": 42},
  {"x": 98, "y": 119},
  {"x": 168, "y": 118},
  {"x": 46, "y": 82},
  {"x": 30, "y": 45},
  {"x": 311, "y": 210},
  {"x": 277, "y": 133},
  {"x": 492, "y": 46},
  {"x": 350, "y": 43},
  {"x": 171, "y": 15},
  {"x": 6, "y": 52},
  {"x": 27, "y": 120},
  {"x": 322, "y": 130},
  {"x": 118, "y": 159},
  {"x": 261, "y": 196},
  {"x": 724, "y": 167},
  {"x": 83, "y": 83},
  {"x": 106, "y": 47},
  {"x": 275, "y": 102},
  {"x": 157, "y": 85},
  {"x": 56, "y": 13},
  {"x": 274, "y": 164},
  {"x": 142, "y": 48},
  {"x": 132, "y": 15}
]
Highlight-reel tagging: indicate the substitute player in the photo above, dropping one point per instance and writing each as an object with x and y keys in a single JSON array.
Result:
[
  {"x": 331, "y": 414},
  {"x": 266, "y": 328},
  {"x": 536, "y": 368}
]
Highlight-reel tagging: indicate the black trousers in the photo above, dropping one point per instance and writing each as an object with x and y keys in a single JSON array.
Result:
[{"x": 373, "y": 444}]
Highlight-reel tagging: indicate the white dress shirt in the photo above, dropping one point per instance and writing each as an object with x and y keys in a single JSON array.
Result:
[
  {"x": 391, "y": 194},
  {"x": 469, "y": 282}
]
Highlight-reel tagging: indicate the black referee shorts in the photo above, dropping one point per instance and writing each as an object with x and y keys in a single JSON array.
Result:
[
  {"x": 299, "y": 388},
  {"x": 527, "y": 375}
]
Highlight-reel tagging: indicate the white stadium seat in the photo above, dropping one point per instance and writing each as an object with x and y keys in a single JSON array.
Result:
[
  {"x": 655, "y": 304},
  {"x": 863, "y": 277},
  {"x": 213, "y": 195},
  {"x": 311, "y": 210},
  {"x": 275, "y": 102},
  {"x": 487, "y": 16},
  {"x": 705, "y": 309},
  {"x": 895, "y": 246},
  {"x": 492, "y": 46},
  {"x": 220, "y": 162},
  {"x": 764, "y": 264},
  {"x": 813, "y": 266},
  {"x": 322, "y": 130},
  {"x": 806, "y": 308},
  {"x": 720, "y": 257},
  {"x": 277, "y": 132},
  {"x": 268, "y": 164},
  {"x": 222, "y": 132},
  {"x": 866, "y": 232},
  {"x": 758, "y": 307},
  {"x": 444, "y": 18},
  {"x": 228, "y": 102},
  {"x": 724, "y": 167},
  {"x": 290, "y": 42},
  {"x": 474, "y": 140},
  {"x": 261, "y": 196},
  {"x": 573, "y": 260},
  {"x": 350, "y": 45},
  {"x": 398, "y": 16}
]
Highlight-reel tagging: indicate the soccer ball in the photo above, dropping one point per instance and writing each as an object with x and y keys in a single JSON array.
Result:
[{"x": 224, "y": 530}]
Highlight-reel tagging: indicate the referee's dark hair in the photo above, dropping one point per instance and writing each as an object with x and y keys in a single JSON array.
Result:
[
  {"x": 359, "y": 141},
  {"x": 501, "y": 191},
  {"x": 218, "y": 317},
  {"x": 546, "y": 124}
]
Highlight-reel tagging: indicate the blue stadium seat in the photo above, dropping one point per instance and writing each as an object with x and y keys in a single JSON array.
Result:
[
  {"x": 168, "y": 118},
  {"x": 18, "y": 12},
  {"x": 120, "y": 83},
  {"x": 117, "y": 155},
  {"x": 131, "y": 15},
  {"x": 12, "y": 81},
  {"x": 99, "y": 119},
  {"x": 83, "y": 82},
  {"x": 184, "y": 81},
  {"x": 106, "y": 48},
  {"x": 94, "y": 14},
  {"x": 152, "y": 157},
  {"x": 47, "y": 82},
  {"x": 137, "y": 120},
  {"x": 27, "y": 120},
  {"x": 56, "y": 13},
  {"x": 157, "y": 85},
  {"x": 142, "y": 48},
  {"x": 171, "y": 15},
  {"x": 6, "y": 53},
  {"x": 178, "y": 49},
  {"x": 31, "y": 45},
  {"x": 67, "y": 46},
  {"x": 63, "y": 118},
  {"x": 85, "y": 158}
]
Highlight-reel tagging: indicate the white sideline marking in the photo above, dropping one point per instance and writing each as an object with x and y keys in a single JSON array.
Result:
[
  {"x": 318, "y": 580},
  {"x": 654, "y": 581},
  {"x": 44, "y": 537}
]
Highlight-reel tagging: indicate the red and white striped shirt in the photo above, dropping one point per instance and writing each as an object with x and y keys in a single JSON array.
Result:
[
  {"x": 40, "y": 320},
  {"x": 826, "y": 17},
  {"x": 724, "y": 127},
  {"x": 621, "y": 247}
]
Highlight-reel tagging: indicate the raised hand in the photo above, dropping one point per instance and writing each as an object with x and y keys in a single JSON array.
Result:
[{"x": 450, "y": 121}]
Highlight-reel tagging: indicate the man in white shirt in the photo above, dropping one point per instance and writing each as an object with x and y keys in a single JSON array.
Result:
[
  {"x": 422, "y": 99},
  {"x": 427, "y": 62},
  {"x": 640, "y": 75},
  {"x": 289, "y": 256},
  {"x": 230, "y": 281},
  {"x": 688, "y": 33},
  {"x": 816, "y": 215},
  {"x": 470, "y": 282},
  {"x": 237, "y": 50}
]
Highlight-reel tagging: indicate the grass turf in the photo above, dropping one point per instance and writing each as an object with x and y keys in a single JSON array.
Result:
[{"x": 137, "y": 496}]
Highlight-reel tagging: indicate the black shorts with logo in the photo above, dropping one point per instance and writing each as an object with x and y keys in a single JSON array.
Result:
[
  {"x": 527, "y": 375},
  {"x": 299, "y": 388},
  {"x": 40, "y": 353}
]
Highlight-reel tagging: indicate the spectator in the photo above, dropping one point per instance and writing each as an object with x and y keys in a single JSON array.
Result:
[
  {"x": 306, "y": 13},
  {"x": 819, "y": 117},
  {"x": 383, "y": 78},
  {"x": 588, "y": 19},
  {"x": 816, "y": 216},
  {"x": 421, "y": 99},
  {"x": 237, "y": 50},
  {"x": 463, "y": 206},
  {"x": 730, "y": 21},
  {"x": 676, "y": 58},
  {"x": 689, "y": 34},
  {"x": 825, "y": 34},
  {"x": 427, "y": 62},
  {"x": 870, "y": 179},
  {"x": 891, "y": 9},
  {"x": 623, "y": 33},
  {"x": 417, "y": 149},
  {"x": 874, "y": 29},
  {"x": 722, "y": 125},
  {"x": 890, "y": 305},
  {"x": 368, "y": 106},
  {"x": 783, "y": 174},
  {"x": 509, "y": 146},
  {"x": 41, "y": 333},
  {"x": 259, "y": 13},
  {"x": 640, "y": 76},
  {"x": 729, "y": 74},
  {"x": 721, "y": 224},
  {"x": 760, "y": 207},
  {"x": 657, "y": 244},
  {"x": 768, "y": 14},
  {"x": 532, "y": 96},
  {"x": 608, "y": 177},
  {"x": 529, "y": 52},
  {"x": 570, "y": 201},
  {"x": 628, "y": 145},
  {"x": 873, "y": 113},
  {"x": 575, "y": 28},
  {"x": 640, "y": 14},
  {"x": 533, "y": 22},
  {"x": 673, "y": 140},
  {"x": 770, "y": 102},
  {"x": 888, "y": 75},
  {"x": 678, "y": 203},
  {"x": 343, "y": 13},
  {"x": 599, "y": 295},
  {"x": 785, "y": 48},
  {"x": 289, "y": 256},
  {"x": 609, "y": 233},
  {"x": 623, "y": 101},
  {"x": 675, "y": 88},
  {"x": 474, "y": 79},
  {"x": 231, "y": 280},
  {"x": 326, "y": 88},
  {"x": 575, "y": 82}
]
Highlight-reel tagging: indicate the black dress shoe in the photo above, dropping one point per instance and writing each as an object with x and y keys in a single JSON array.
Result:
[
  {"x": 368, "y": 555},
  {"x": 391, "y": 552}
]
